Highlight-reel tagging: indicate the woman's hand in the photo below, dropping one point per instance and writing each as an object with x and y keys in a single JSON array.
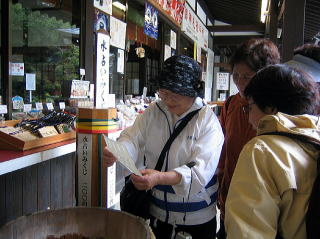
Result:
[
  {"x": 108, "y": 157},
  {"x": 149, "y": 179}
]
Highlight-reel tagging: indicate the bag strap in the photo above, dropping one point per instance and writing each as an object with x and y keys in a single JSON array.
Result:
[
  {"x": 313, "y": 212},
  {"x": 174, "y": 134}
]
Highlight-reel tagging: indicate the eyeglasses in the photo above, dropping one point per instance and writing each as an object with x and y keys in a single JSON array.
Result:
[
  {"x": 237, "y": 77},
  {"x": 247, "y": 108},
  {"x": 166, "y": 95}
]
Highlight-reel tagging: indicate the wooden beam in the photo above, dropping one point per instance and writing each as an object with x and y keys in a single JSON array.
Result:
[
  {"x": 293, "y": 27},
  {"x": 6, "y": 56},
  {"x": 231, "y": 40},
  {"x": 238, "y": 28},
  {"x": 282, "y": 10},
  {"x": 272, "y": 22}
]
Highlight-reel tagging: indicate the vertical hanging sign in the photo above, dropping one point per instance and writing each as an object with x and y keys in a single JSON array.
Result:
[
  {"x": 151, "y": 21},
  {"x": 102, "y": 74}
]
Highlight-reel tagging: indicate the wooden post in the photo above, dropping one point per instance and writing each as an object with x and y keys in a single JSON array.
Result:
[
  {"x": 92, "y": 180},
  {"x": 293, "y": 27},
  {"x": 272, "y": 22}
]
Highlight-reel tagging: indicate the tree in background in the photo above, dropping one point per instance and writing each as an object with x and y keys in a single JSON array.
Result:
[{"x": 43, "y": 44}]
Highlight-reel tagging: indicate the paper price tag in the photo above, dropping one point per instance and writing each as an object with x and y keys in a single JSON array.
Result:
[
  {"x": 48, "y": 131},
  {"x": 49, "y": 106},
  {"x": 62, "y": 105},
  {"x": 3, "y": 109},
  {"x": 39, "y": 106},
  {"x": 27, "y": 107}
]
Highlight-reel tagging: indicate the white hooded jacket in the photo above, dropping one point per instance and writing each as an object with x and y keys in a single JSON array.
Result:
[{"x": 200, "y": 141}]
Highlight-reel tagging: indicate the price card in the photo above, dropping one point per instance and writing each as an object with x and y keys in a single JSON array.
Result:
[
  {"x": 48, "y": 131},
  {"x": 27, "y": 107},
  {"x": 3, "y": 109},
  {"x": 39, "y": 106},
  {"x": 49, "y": 106},
  {"x": 62, "y": 105}
]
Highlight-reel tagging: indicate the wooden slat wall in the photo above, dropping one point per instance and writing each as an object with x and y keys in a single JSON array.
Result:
[
  {"x": 48, "y": 185},
  {"x": 14, "y": 195},
  {"x": 44, "y": 186},
  {"x": 29, "y": 190},
  {"x": 56, "y": 184},
  {"x": 2, "y": 200}
]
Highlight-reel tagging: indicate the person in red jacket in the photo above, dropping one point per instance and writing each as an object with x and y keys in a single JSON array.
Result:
[{"x": 250, "y": 57}]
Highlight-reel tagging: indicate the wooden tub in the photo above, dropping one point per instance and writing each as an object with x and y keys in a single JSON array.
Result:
[{"x": 88, "y": 222}]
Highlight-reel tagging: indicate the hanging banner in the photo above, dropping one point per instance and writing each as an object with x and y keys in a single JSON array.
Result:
[
  {"x": 117, "y": 33},
  {"x": 101, "y": 21},
  {"x": 104, "y": 5},
  {"x": 151, "y": 21},
  {"x": 173, "y": 9},
  {"x": 102, "y": 74},
  {"x": 194, "y": 28}
]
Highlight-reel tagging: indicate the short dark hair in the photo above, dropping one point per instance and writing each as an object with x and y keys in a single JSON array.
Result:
[
  {"x": 309, "y": 50},
  {"x": 284, "y": 88},
  {"x": 256, "y": 53}
]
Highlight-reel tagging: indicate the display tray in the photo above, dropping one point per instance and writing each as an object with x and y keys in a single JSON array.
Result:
[{"x": 9, "y": 142}]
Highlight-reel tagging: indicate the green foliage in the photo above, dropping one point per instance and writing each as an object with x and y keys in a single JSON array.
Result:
[
  {"x": 34, "y": 28},
  {"x": 54, "y": 58}
]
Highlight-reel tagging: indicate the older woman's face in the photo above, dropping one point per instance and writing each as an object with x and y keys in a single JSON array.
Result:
[
  {"x": 177, "y": 104},
  {"x": 242, "y": 75}
]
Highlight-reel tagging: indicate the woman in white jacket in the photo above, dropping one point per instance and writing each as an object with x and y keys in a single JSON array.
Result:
[{"x": 184, "y": 197}]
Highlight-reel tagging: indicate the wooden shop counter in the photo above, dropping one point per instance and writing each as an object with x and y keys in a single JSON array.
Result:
[{"x": 38, "y": 179}]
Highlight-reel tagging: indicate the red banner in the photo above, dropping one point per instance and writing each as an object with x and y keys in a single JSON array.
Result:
[{"x": 172, "y": 8}]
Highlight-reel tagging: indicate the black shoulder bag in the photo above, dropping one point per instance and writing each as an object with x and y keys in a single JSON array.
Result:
[
  {"x": 136, "y": 201},
  {"x": 313, "y": 212}
]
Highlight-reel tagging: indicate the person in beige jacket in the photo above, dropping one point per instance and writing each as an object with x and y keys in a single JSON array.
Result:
[{"x": 273, "y": 179}]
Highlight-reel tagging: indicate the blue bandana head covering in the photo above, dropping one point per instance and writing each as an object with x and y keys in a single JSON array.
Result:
[{"x": 181, "y": 75}]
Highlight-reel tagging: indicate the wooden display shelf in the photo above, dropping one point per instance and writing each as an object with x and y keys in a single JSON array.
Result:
[{"x": 9, "y": 142}]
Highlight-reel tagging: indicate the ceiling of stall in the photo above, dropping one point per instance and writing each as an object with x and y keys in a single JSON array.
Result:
[
  {"x": 247, "y": 12},
  {"x": 312, "y": 19},
  {"x": 240, "y": 12}
]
